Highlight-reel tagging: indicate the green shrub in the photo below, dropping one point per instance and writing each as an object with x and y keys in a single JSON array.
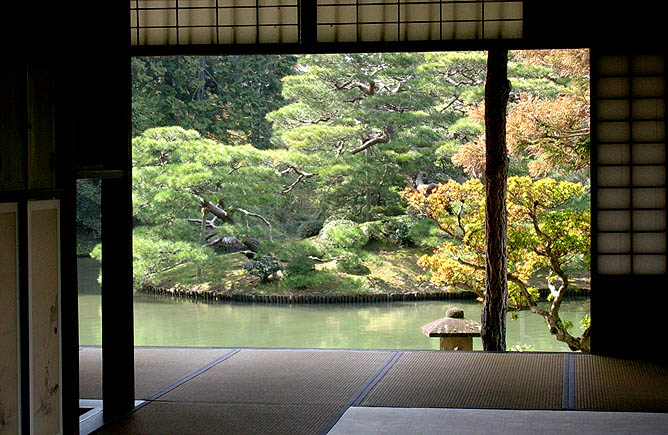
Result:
[
  {"x": 388, "y": 210},
  {"x": 426, "y": 233},
  {"x": 398, "y": 230},
  {"x": 337, "y": 217},
  {"x": 309, "y": 228},
  {"x": 352, "y": 265},
  {"x": 262, "y": 266},
  {"x": 295, "y": 255},
  {"x": 373, "y": 230},
  {"x": 323, "y": 282},
  {"x": 343, "y": 233},
  {"x": 299, "y": 266}
]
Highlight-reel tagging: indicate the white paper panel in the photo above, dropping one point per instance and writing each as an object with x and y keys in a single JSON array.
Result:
[
  {"x": 462, "y": 30},
  {"x": 155, "y": 17},
  {"x": 376, "y": 13},
  {"x": 614, "y": 131},
  {"x": 649, "y": 198},
  {"x": 647, "y": 243},
  {"x": 649, "y": 108},
  {"x": 649, "y": 264},
  {"x": 411, "y": 13},
  {"x": 157, "y": 36},
  {"x": 649, "y": 175},
  {"x": 614, "y": 243},
  {"x": 196, "y": 17},
  {"x": 170, "y": 22},
  {"x": 631, "y": 133},
  {"x": 421, "y": 31},
  {"x": 155, "y": 22},
  {"x": 614, "y": 198},
  {"x": 649, "y": 153},
  {"x": 648, "y": 65},
  {"x": 9, "y": 359},
  {"x": 502, "y": 10},
  {"x": 614, "y": 154},
  {"x": 614, "y": 176},
  {"x": 614, "y": 110},
  {"x": 197, "y": 3},
  {"x": 616, "y": 87},
  {"x": 236, "y": 17},
  {"x": 648, "y": 87},
  {"x": 614, "y": 221},
  {"x": 613, "y": 65},
  {"x": 648, "y": 131},
  {"x": 649, "y": 220},
  {"x": 614, "y": 264},
  {"x": 44, "y": 301},
  {"x": 341, "y": 33},
  {"x": 378, "y": 32}
]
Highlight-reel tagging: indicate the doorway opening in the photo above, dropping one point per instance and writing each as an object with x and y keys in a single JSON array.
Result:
[{"x": 272, "y": 191}]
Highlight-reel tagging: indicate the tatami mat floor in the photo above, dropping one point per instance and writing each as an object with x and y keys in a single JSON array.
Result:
[{"x": 317, "y": 391}]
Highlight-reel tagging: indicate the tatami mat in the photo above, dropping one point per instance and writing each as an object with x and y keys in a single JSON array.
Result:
[
  {"x": 161, "y": 418},
  {"x": 604, "y": 383},
  {"x": 90, "y": 373},
  {"x": 155, "y": 368},
  {"x": 295, "y": 391},
  {"x": 430, "y": 421},
  {"x": 471, "y": 380},
  {"x": 282, "y": 377}
]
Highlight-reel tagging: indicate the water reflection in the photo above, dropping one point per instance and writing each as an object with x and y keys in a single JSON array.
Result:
[{"x": 161, "y": 321}]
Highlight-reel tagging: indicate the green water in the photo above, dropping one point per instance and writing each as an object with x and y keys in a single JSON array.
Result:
[{"x": 161, "y": 321}]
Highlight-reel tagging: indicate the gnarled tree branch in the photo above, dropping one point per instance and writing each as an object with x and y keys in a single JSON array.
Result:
[
  {"x": 301, "y": 177},
  {"x": 373, "y": 139}
]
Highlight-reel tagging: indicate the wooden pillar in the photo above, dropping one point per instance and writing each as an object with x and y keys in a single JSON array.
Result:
[{"x": 117, "y": 308}]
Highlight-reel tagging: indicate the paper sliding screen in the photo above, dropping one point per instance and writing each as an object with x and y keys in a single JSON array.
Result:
[
  {"x": 9, "y": 336},
  {"x": 179, "y": 22},
  {"x": 418, "y": 20},
  {"x": 44, "y": 302},
  {"x": 628, "y": 101},
  {"x": 176, "y": 22}
]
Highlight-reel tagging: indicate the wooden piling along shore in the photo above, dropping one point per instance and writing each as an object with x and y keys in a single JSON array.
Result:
[{"x": 322, "y": 299}]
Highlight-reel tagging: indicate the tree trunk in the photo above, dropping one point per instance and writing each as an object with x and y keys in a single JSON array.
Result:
[
  {"x": 201, "y": 78},
  {"x": 497, "y": 89},
  {"x": 367, "y": 200}
]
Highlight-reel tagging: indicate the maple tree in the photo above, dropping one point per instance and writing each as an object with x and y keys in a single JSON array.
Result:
[
  {"x": 550, "y": 131},
  {"x": 543, "y": 233}
]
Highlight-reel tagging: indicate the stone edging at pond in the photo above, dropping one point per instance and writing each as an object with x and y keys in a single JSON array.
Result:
[{"x": 326, "y": 299}]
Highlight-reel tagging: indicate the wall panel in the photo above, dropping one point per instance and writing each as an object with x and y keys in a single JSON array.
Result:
[
  {"x": 9, "y": 335},
  {"x": 44, "y": 312}
]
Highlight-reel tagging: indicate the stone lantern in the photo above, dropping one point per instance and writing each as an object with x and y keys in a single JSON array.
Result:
[{"x": 455, "y": 332}]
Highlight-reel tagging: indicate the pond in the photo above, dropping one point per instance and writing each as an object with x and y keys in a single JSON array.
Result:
[{"x": 164, "y": 321}]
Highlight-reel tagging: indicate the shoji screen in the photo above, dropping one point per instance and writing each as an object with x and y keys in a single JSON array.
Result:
[
  {"x": 9, "y": 335},
  {"x": 418, "y": 20},
  {"x": 44, "y": 313},
  {"x": 629, "y": 140},
  {"x": 177, "y": 22}
]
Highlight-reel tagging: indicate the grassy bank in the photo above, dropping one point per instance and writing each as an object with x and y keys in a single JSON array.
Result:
[{"x": 388, "y": 272}]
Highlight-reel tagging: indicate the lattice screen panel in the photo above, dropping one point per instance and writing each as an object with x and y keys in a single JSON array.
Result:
[
  {"x": 179, "y": 22},
  {"x": 176, "y": 22},
  {"x": 628, "y": 100},
  {"x": 418, "y": 20}
]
